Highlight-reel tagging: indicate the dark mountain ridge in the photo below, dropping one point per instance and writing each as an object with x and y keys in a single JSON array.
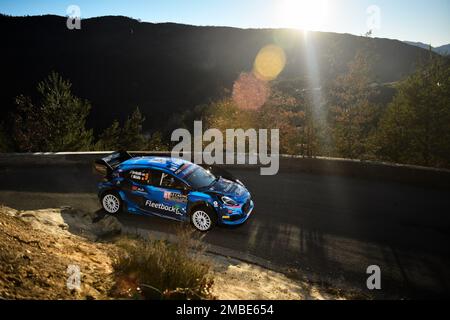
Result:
[
  {"x": 442, "y": 50},
  {"x": 118, "y": 63}
]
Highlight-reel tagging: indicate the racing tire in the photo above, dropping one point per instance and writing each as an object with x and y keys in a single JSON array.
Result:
[
  {"x": 111, "y": 203},
  {"x": 203, "y": 219}
]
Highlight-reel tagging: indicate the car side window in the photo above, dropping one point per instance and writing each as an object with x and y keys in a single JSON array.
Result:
[
  {"x": 168, "y": 181},
  {"x": 156, "y": 178}
]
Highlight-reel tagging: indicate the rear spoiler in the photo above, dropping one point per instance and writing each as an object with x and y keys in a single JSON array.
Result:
[{"x": 107, "y": 165}]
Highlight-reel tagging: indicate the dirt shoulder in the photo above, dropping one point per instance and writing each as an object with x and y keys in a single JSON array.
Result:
[
  {"x": 238, "y": 280},
  {"x": 42, "y": 250},
  {"x": 37, "y": 249}
]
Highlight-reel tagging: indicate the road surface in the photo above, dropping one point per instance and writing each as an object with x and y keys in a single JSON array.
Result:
[{"x": 329, "y": 226}]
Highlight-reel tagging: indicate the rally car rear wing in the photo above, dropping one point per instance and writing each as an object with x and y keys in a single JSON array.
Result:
[{"x": 105, "y": 166}]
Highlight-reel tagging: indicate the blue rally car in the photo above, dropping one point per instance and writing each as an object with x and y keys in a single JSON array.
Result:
[{"x": 173, "y": 189}]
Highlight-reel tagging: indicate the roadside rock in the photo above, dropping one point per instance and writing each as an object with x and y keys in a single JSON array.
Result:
[
  {"x": 107, "y": 226},
  {"x": 92, "y": 226},
  {"x": 41, "y": 258}
]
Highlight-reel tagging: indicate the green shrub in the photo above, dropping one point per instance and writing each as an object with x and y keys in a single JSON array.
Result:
[{"x": 162, "y": 270}]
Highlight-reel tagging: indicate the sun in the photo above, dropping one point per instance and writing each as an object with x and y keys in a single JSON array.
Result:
[{"x": 303, "y": 14}]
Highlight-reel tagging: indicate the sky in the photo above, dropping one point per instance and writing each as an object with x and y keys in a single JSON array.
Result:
[{"x": 427, "y": 21}]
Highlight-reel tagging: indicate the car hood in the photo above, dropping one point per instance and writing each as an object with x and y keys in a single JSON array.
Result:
[{"x": 230, "y": 189}]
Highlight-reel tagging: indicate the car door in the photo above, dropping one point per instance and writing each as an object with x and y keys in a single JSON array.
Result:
[
  {"x": 169, "y": 196},
  {"x": 137, "y": 188}
]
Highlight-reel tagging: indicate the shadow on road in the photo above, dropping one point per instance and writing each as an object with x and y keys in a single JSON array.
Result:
[{"x": 334, "y": 226}]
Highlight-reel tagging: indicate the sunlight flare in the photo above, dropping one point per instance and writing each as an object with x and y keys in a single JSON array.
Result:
[
  {"x": 303, "y": 14},
  {"x": 269, "y": 63}
]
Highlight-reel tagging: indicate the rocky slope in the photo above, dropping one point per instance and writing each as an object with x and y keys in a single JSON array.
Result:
[
  {"x": 42, "y": 250},
  {"x": 38, "y": 249}
]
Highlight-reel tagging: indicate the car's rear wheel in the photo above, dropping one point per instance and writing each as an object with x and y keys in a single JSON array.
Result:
[
  {"x": 111, "y": 203},
  {"x": 203, "y": 219}
]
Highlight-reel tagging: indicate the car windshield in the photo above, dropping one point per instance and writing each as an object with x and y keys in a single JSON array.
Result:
[{"x": 197, "y": 177}]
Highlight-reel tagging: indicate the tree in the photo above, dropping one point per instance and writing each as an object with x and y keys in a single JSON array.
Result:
[
  {"x": 353, "y": 116},
  {"x": 225, "y": 114},
  {"x": 109, "y": 140},
  {"x": 130, "y": 137},
  {"x": 312, "y": 125},
  {"x": 280, "y": 111},
  {"x": 283, "y": 112},
  {"x": 415, "y": 127},
  {"x": 56, "y": 123},
  {"x": 156, "y": 142}
]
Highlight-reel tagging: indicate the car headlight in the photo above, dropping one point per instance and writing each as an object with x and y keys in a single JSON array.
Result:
[{"x": 228, "y": 201}]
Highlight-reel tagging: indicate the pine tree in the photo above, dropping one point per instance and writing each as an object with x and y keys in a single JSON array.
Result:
[
  {"x": 415, "y": 128},
  {"x": 129, "y": 137},
  {"x": 109, "y": 140},
  {"x": 56, "y": 123},
  {"x": 280, "y": 111},
  {"x": 352, "y": 113},
  {"x": 132, "y": 137},
  {"x": 156, "y": 142},
  {"x": 309, "y": 135}
]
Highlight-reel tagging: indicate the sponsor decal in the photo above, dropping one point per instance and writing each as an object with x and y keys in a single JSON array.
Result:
[
  {"x": 163, "y": 207},
  {"x": 182, "y": 168},
  {"x": 138, "y": 189},
  {"x": 174, "y": 196},
  {"x": 158, "y": 160},
  {"x": 187, "y": 170},
  {"x": 140, "y": 176},
  {"x": 176, "y": 165}
]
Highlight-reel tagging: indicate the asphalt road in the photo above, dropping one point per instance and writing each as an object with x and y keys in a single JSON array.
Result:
[{"x": 331, "y": 227}]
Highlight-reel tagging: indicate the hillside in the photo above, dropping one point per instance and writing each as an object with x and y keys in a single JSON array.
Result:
[
  {"x": 443, "y": 50},
  {"x": 118, "y": 63}
]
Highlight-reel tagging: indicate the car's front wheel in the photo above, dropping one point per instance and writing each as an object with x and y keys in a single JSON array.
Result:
[
  {"x": 111, "y": 203},
  {"x": 203, "y": 219}
]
